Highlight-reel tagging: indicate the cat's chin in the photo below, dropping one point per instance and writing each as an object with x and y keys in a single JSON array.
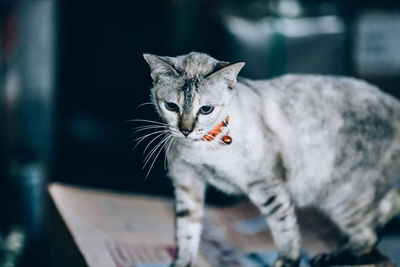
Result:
[
  {"x": 189, "y": 139},
  {"x": 185, "y": 139},
  {"x": 193, "y": 141}
]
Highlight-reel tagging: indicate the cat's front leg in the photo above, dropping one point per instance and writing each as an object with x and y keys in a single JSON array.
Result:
[
  {"x": 189, "y": 201},
  {"x": 273, "y": 201}
]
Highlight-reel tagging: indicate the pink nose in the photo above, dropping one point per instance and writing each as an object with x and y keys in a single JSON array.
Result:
[{"x": 186, "y": 132}]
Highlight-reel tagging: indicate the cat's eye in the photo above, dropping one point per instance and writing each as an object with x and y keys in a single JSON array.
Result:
[
  {"x": 171, "y": 106},
  {"x": 206, "y": 109}
]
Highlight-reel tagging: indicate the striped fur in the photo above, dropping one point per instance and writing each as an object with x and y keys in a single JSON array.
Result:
[{"x": 298, "y": 140}]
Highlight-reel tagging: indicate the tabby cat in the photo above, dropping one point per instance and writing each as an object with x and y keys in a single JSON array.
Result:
[{"x": 332, "y": 143}]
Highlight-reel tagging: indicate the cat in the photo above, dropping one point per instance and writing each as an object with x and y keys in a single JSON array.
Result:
[{"x": 332, "y": 143}]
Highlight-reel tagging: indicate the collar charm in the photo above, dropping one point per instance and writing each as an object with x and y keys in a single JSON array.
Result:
[
  {"x": 217, "y": 130},
  {"x": 227, "y": 139}
]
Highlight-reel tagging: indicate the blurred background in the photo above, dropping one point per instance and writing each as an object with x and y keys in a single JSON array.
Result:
[{"x": 72, "y": 75}]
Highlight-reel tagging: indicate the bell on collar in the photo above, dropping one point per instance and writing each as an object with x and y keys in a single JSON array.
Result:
[{"x": 227, "y": 139}]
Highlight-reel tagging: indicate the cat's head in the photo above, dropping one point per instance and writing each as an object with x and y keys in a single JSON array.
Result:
[{"x": 191, "y": 92}]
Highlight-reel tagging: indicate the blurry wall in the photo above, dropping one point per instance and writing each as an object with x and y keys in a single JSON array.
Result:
[
  {"x": 27, "y": 87},
  {"x": 103, "y": 77}
]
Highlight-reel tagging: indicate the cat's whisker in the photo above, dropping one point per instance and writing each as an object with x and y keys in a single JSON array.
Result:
[
  {"x": 155, "y": 154},
  {"x": 167, "y": 152},
  {"x": 139, "y": 136},
  {"x": 140, "y": 139},
  {"x": 166, "y": 161},
  {"x": 150, "y": 125},
  {"x": 162, "y": 148},
  {"x": 144, "y": 128},
  {"x": 148, "y": 145},
  {"x": 136, "y": 130},
  {"x": 149, "y": 134},
  {"x": 174, "y": 131},
  {"x": 159, "y": 134},
  {"x": 155, "y": 158},
  {"x": 144, "y": 104},
  {"x": 149, "y": 121},
  {"x": 153, "y": 150}
]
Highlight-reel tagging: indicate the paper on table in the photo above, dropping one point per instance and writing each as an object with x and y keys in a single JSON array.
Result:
[{"x": 114, "y": 229}]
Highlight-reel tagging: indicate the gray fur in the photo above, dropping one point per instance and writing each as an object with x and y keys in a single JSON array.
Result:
[{"x": 298, "y": 140}]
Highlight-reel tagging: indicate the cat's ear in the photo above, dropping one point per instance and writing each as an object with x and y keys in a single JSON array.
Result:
[
  {"x": 227, "y": 71},
  {"x": 159, "y": 66}
]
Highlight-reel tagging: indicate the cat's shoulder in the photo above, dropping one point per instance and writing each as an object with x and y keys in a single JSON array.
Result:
[
  {"x": 318, "y": 82},
  {"x": 297, "y": 84}
]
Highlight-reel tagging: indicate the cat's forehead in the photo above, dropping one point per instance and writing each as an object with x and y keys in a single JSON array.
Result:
[
  {"x": 183, "y": 85},
  {"x": 189, "y": 90},
  {"x": 193, "y": 69},
  {"x": 194, "y": 65}
]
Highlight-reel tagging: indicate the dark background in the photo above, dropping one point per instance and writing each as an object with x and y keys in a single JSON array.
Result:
[
  {"x": 103, "y": 77},
  {"x": 72, "y": 75}
]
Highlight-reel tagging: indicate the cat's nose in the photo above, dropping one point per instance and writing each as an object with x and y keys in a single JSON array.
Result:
[
  {"x": 186, "y": 132},
  {"x": 186, "y": 123}
]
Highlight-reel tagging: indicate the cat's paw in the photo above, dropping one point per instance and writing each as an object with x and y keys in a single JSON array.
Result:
[
  {"x": 323, "y": 259},
  {"x": 285, "y": 262},
  {"x": 335, "y": 258},
  {"x": 344, "y": 257},
  {"x": 178, "y": 264}
]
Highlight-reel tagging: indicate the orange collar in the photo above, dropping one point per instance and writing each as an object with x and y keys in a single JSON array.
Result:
[{"x": 217, "y": 130}]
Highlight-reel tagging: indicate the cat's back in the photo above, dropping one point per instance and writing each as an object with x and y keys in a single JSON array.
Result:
[
  {"x": 306, "y": 98},
  {"x": 328, "y": 128},
  {"x": 306, "y": 105},
  {"x": 297, "y": 87},
  {"x": 321, "y": 108}
]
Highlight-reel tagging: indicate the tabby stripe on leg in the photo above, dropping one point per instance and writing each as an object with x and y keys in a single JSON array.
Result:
[
  {"x": 275, "y": 209},
  {"x": 269, "y": 201},
  {"x": 183, "y": 213}
]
